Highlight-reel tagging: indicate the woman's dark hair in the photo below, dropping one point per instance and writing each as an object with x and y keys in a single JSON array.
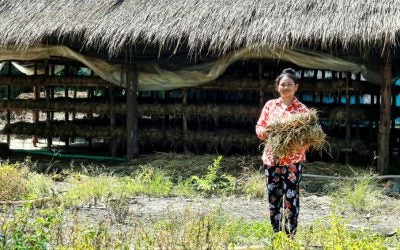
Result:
[{"x": 289, "y": 72}]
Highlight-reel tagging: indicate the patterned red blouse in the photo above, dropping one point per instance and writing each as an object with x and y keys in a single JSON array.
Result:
[{"x": 273, "y": 111}]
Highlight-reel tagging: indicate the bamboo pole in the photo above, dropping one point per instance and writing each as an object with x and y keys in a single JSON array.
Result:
[
  {"x": 132, "y": 116},
  {"x": 384, "y": 124}
]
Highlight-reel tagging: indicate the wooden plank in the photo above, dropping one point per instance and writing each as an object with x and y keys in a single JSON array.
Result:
[
  {"x": 384, "y": 124},
  {"x": 132, "y": 115}
]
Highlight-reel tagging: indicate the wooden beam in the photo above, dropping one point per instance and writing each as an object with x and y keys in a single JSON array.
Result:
[
  {"x": 384, "y": 124},
  {"x": 131, "y": 73}
]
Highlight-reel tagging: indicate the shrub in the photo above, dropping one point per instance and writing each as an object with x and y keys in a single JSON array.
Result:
[
  {"x": 214, "y": 182},
  {"x": 12, "y": 182}
]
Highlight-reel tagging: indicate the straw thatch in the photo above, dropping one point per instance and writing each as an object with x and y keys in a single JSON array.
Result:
[{"x": 206, "y": 24}]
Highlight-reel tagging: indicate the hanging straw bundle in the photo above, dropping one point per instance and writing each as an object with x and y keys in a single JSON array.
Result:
[{"x": 295, "y": 132}]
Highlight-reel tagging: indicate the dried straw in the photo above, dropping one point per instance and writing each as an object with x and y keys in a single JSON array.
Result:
[
  {"x": 211, "y": 25},
  {"x": 300, "y": 130}
]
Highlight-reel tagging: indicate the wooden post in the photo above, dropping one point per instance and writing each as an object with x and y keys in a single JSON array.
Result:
[
  {"x": 48, "y": 113},
  {"x": 75, "y": 95},
  {"x": 8, "y": 114},
  {"x": 66, "y": 116},
  {"x": 8, "y": 117},
  {"x": 131, "y": 73},
  {"x": 36, "y": 112},
  {"x": 347, "y": 119},
  {"x": 184, "y": 121},
  {"x": 113, "y": 143},
  {"x": 90, "y": 94},
  {"x": 384, "y": 124},
  {"x": 262, "y": 85}
]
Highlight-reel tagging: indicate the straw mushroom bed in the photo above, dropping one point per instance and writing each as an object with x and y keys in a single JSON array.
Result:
[{"x": 295, "y": 132}]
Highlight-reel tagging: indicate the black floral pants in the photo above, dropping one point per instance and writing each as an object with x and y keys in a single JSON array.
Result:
[{"x": 283, "y": 192}]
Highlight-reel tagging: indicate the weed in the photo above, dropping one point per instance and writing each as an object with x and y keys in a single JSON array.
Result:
[
  {"x": 183, "y": 188},
  {"x": 214, "y": 182},
  {"x": 29, "y": 228},
  {"x": 362, "y": 194},
  {"x": 12, "y": 182},
  {"x": 154, "y": 182},
  {"x": 119, "y": 208},
  {"x": 253, "y": 185}
]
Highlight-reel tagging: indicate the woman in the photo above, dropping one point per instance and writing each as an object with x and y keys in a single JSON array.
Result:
[{"x": 282, "y": 175}]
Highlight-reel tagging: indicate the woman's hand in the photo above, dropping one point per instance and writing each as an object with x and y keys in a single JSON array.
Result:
[{"x": 266, "y": 132}]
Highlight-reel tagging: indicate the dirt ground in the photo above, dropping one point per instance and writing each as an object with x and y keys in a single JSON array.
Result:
[{"x": 312, "y": 208}]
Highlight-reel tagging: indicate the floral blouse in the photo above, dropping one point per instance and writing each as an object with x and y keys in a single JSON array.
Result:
[{"x": 273, "y": 111}]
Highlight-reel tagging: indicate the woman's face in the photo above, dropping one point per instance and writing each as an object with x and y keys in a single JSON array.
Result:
[{"x": 287, "y": 87}]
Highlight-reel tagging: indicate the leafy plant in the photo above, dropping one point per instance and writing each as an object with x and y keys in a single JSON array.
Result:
[{"x": 213, "y": 181}]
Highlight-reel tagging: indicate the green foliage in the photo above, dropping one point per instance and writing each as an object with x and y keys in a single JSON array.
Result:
[
  {"x": 362, "y": 194},
  {"x": 16, "y": 183},
  {"x": 12, "y": 182},
  {"x": 29, "y": 228},
  {"x": 213, "y": 181},
  {"x": 91, "y": 189},
  {"x": 333, "y": 232},
  {"x": 154, "y": 182},
  {"x": 183, "y": 188},
  {"x": 253, "y": 185},
  {"x": 39, "y": 186},
  {"x": 246, "y": 233}
]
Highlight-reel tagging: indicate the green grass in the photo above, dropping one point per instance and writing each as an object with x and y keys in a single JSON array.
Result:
[
  {"x": 59, "y": 225},
  {"x": 18, "y": 183},
  {"x": 361, "y": 194}
]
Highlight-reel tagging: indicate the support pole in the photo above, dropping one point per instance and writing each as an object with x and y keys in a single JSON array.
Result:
[
  {"x": 185, "y": 122},
  {"x": 132, "y": 115},
  {"x": 36, "y": 96},
  {"x": 8, "y": 115},
  {"x": 113, "y": 142},
  {"x": 48, "y": 113},
  {"x": 384, "y": 124},
  {"x": 8, "y": 110},
  {"x": 347, "y": 119},
  {"x": 66, "y": 116}
]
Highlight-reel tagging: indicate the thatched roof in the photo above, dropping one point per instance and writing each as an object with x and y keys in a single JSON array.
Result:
[{"x": 209, "y": 25}]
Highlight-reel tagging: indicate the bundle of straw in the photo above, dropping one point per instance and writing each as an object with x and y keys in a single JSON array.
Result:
[{"x": 297, "y": 131}]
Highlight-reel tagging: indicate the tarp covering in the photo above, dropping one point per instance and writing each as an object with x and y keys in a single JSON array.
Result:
[{"x": 152, "y": 77}]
